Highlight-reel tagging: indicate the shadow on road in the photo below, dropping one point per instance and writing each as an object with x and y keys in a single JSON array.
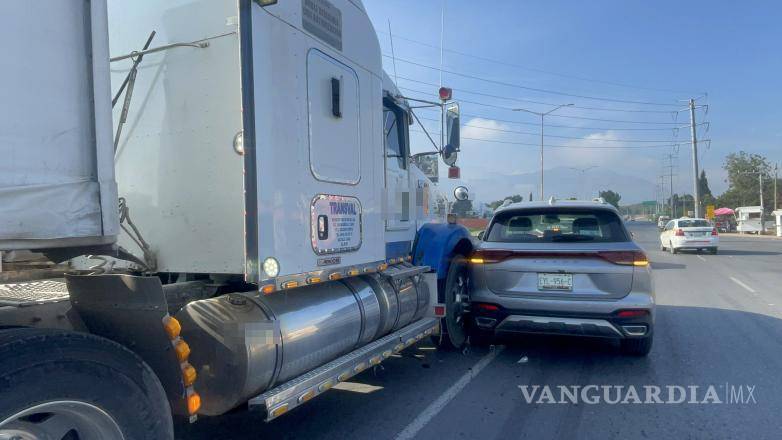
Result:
[
  {"x": 658, "y": 265},
  {"x": 724, "y": 251}
]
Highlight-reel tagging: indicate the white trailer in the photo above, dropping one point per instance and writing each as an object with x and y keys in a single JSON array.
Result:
[
  {"x": 247, "y": 233},
  {"x": 750, "y": 219}
]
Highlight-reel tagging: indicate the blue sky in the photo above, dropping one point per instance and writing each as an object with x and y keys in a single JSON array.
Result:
[{"x": 666, "y": 50}]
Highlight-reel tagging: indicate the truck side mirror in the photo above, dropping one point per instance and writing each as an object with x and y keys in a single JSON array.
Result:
[
  {"x": 480, "y": 234},
  {"x": 461, "y": 193},
  {"x": 452, "y": 138}
]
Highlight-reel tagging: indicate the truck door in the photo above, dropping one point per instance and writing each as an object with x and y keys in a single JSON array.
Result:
[{"x": 396, "y": 149}]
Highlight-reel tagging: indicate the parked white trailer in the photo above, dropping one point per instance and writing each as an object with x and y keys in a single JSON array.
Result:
[
  {"x": 253, "y": 233},
  {"x": 750, "y": 219}
]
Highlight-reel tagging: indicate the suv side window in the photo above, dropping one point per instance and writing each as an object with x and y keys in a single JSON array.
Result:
[{"x": 670, "y": 224}]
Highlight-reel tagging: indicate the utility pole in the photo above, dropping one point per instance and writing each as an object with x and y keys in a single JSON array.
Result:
[
  {"x": 695, "y": 177},
  {"x": 670, "y": 157},
  {"x": 542, "y": 115},
  {"x": 760, "y": 175},
  {"x": 775, "y": 186}
]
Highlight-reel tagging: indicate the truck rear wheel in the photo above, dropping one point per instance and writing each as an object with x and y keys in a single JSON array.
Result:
[
  {"x": 456, "y": 298},
  {"x": 63, "y": 385}
]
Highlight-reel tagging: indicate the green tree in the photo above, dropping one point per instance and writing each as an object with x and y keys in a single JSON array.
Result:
[
  {"x": 707, "y": 198},
  {"x": 744, "y": 182},
  {"x": 682, "y": 204},
  {"x": 610, "y": 197},
  {"x": 514, "y": 198},
  {"x": 461, "y": 207}
]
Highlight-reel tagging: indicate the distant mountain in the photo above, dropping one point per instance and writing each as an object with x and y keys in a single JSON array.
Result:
[{"x": 560, "y": 182}]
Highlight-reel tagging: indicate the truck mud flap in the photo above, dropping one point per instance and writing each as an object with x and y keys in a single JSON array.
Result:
[
  {"x": 130, "y": 310},
  {"x": 291, "y": 394}
]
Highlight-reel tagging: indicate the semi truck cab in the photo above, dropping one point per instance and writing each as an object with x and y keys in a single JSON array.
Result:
[{"x": 230, "y": 184}]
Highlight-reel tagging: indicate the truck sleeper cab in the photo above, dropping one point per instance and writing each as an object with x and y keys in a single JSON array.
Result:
[{"x": 263, "y": 247}]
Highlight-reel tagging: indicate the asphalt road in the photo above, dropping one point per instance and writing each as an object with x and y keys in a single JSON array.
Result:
[{"x": 719, "y": 324}]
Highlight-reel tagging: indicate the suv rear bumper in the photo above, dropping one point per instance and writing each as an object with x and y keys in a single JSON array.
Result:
[
  {"x": 557, "y": 325},
  {"x": 577, "y": 318},
  {"x": 686, "y": 243}
]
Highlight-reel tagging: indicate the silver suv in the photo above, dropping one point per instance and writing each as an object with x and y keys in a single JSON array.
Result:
[{"x": 562, "y": 267}]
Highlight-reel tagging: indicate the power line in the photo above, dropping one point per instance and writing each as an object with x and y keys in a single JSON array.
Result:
[
  {"x": 571, "y": 127},
  {"x": 534, "y": 89},
  {"x": 602, "y": 147},
  {"x": 552, "y": 135},
  {"x": 532, "y": 69},
  {"x": 584, "y": 118},
  {"x": 470, "y": 92}
]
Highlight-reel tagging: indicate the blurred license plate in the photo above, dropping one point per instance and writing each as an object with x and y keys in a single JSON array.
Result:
[{"x": 555, "y": 281}]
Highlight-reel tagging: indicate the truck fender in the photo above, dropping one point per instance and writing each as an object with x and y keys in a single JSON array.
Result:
[{"x": 437, "y": 243}]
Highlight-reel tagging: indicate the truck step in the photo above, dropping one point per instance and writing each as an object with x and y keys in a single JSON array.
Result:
[
  {"x": 291, "y": 394},
  {"x": 33, "y": 292}
]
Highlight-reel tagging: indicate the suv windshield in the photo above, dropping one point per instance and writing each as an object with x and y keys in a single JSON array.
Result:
[
  {"x": 695, "y": 223},
  {"x": 550, "y": 225}
]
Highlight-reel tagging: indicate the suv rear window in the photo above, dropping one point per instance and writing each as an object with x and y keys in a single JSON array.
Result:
[
  {"x": 552, "y": 225},
  {"x": 695, "y": 223}
]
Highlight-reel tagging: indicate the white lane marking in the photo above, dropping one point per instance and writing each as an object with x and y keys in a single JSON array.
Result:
[
  {"x": 701, "y": 257},
  {"x": 435, "y": 407},
  {"x": 742, "y": 285}
]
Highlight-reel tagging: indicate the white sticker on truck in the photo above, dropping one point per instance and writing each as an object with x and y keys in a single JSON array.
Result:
[
  {"x": 336, "y": 224},
  {"x": 324, "y": 20}
]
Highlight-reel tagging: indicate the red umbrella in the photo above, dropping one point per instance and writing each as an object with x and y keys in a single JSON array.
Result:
[{"x": 723, "y": 211}]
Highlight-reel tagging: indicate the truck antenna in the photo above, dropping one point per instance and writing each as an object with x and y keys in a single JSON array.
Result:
[{"x": 393, "y": 55}]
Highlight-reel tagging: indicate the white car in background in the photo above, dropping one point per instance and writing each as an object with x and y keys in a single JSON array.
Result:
[{"x": 689, "y": 233}]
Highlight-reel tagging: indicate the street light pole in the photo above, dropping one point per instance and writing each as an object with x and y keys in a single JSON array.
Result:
[
  {"x": 542, "y": 116},
  {"x": 541, "y": 156}
]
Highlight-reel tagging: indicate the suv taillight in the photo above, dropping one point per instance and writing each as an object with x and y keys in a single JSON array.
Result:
[
  {"x": 680, "y": 233},
  {"x": 625, "y": 258},
  {"x": 482, "y": 256},
  {"x": 714, "y": 231}
]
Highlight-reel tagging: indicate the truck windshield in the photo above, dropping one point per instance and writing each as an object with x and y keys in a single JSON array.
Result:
[{"x": 551, "y": 225}]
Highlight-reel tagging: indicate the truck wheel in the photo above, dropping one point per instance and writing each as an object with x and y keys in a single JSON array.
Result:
[
  {"x": 66, "y": 385},
  {"x": 457, "y": 300}
]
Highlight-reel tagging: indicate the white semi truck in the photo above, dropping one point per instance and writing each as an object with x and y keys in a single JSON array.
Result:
[{"x": 230, "y": 184}]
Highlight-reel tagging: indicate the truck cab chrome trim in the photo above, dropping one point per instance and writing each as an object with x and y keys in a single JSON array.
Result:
[{"x": 288, "y": 394}]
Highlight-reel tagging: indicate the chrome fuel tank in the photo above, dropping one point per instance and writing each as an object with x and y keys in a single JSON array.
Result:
[{"x": 245, "y": 343}]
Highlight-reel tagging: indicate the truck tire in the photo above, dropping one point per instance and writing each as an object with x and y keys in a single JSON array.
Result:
[
  {"x": 456, "y": 298},
  {"x": 61, "y": 384}
]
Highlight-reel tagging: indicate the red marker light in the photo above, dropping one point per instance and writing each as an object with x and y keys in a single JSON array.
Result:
[
  {"x": 446, "y": 93},
  {"x": 631, "y": 313},
  {"x": 487, "y": 307},
  {"x": 439, "y": 311},
  {"x": 454, "y": 173}
]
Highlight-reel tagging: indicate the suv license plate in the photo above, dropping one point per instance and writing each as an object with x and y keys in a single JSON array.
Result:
[{"x": 555, "y": 281}]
